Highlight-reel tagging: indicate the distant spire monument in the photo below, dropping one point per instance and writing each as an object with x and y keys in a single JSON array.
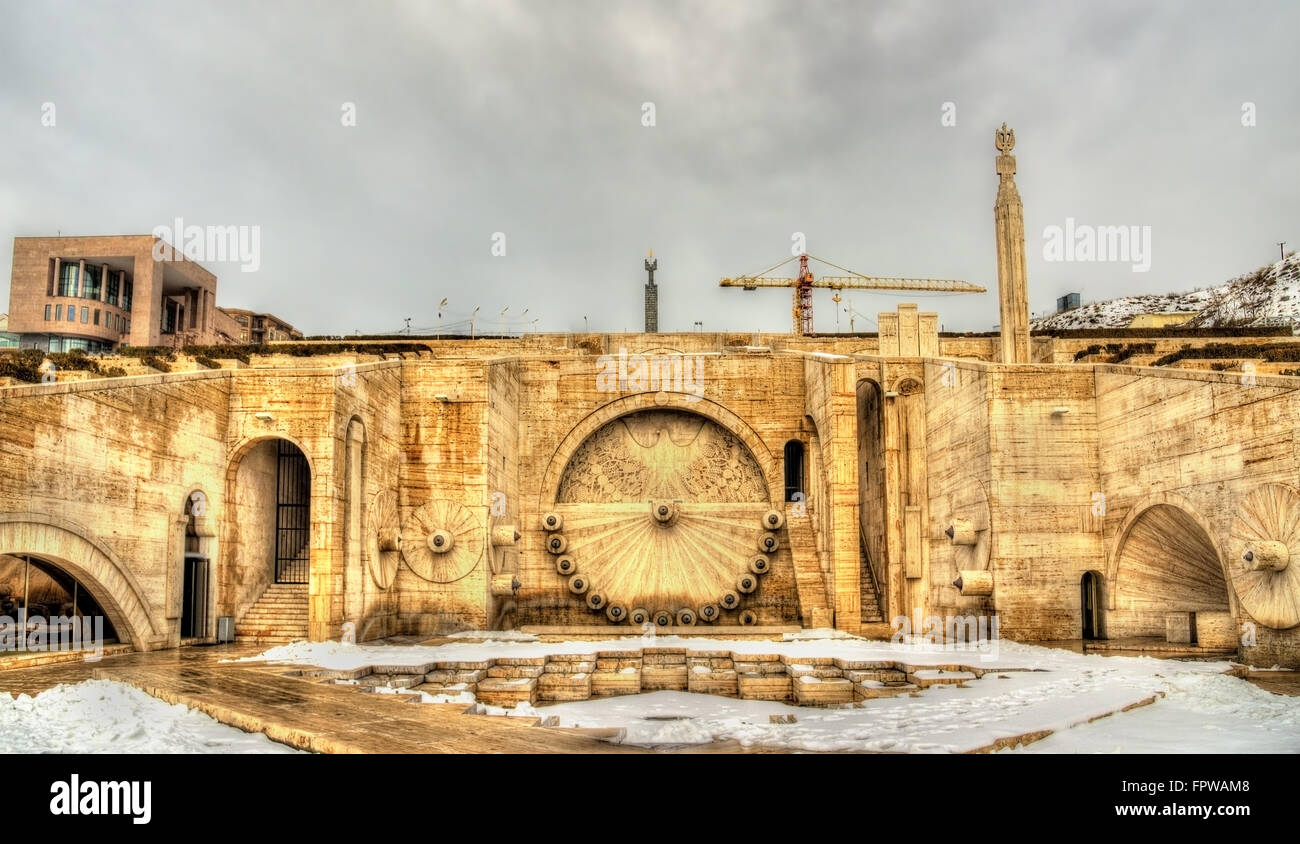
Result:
[
  {"x": 651, "y": 296},
  {"x": 1013, "y": 286}
]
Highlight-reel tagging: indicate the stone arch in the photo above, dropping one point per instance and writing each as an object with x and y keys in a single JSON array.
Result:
[
  {"x": 1164, "y": 560},
  {"x": 75, "y": 550},
  {"x": 249, "y": 523},
  {"x": 245, "y": 445},
  {"x": 627, "y": 405}
]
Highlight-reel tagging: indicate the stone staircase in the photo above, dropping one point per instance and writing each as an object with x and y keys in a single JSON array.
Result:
[
  {"x": 279, "y": 616},
  {"x": 809, "y": 580},
  {"x": 871, "y": 613}
]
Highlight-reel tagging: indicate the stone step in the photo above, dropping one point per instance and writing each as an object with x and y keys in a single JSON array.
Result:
[{"x": 810, "y": 583}]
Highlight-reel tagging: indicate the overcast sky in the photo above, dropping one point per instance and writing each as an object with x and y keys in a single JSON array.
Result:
[{"x": 770, "y": 118}]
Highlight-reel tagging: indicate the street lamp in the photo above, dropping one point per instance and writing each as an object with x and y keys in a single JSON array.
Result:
[
  {"x": 441, "y": 305},
  {"x": 471, "y": 323}
]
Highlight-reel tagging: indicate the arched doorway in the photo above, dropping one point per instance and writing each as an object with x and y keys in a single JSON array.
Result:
[
  {"x": 266, "y": 545},
  {"x": 1165, "y": 563},
  {"x": 49, "y": 608},
  {"x": 1090, "y": 603},
  {"x": 195, "y": 568},
  {"x": 794, "y": 473},
  {"x": 872, "y": 528}
]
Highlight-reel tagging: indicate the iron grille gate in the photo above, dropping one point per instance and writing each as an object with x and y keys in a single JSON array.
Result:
[{"x": 292, "y": 514}]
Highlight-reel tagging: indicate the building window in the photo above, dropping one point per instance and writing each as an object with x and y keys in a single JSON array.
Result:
[
  {"x": 85, "y": 314},
  {"x": 58, "y": 313},
  {"x": 96, "y": 316},
  {"x": 171, "y": 317},
  {"x": 68, "y": 279},
  {"x": 47, "y": 313},
  {"x": 72, "y": 313},
  {"x": 127, "y": 290},
  {"x": 90, "y": 283},
  {"x": 112, "y": 289}
]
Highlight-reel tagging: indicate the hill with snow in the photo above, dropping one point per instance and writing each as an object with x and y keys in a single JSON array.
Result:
[{"x": 1268, "y": 296}]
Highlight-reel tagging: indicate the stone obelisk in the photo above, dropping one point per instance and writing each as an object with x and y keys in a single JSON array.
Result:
[
  {"x": 1013, "y": 287},
  {"x": 651, "y": 296}
]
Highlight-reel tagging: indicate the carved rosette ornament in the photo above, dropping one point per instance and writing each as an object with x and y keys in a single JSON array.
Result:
[
  {"x": 909, "y": 387},
  {"x": 384, "y": 538},
  {"x": 442, "y": 541},
  {"x": 1264, "y": 555}
]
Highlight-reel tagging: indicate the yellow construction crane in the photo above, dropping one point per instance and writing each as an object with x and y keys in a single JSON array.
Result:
[{"x": 803, "y": 286}]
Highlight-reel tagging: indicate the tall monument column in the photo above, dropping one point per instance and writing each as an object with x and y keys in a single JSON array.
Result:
[
  {"x": 1013, "y": 286},
  {"x": 651, "y": 296}
]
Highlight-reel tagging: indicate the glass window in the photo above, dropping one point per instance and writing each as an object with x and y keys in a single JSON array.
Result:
[
  {"x": 90, "y": 283},
  {"x": 58, "y": 313},
  {"x": 68, "y": 279},
  {"x": 112, "y": 289},
  {"x": 72, "y": 313},
  {"x": 85, "y": 314},
  {"x": 96, "y": 316},
  {"x": 47, "y": 313},
  {"x": 127, "y": 290}
]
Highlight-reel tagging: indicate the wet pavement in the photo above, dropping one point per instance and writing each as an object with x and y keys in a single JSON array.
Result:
[{"x": 306, "y": 714}]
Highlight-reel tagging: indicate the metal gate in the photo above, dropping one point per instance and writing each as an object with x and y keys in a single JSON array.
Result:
[{"x": 292, "y": 514}]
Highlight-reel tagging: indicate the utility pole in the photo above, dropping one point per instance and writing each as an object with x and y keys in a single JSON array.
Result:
[
  {"x": 408, "y": 326},
  {"x": 1281, "y": 247}
]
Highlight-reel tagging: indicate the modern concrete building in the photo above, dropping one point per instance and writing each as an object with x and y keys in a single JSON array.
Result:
[
  {"x": 96, "y": 293},
  {"x": 252, "y": 327}
]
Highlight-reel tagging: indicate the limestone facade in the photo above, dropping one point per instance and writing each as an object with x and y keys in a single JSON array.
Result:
[{"x": 808, "y": 482}]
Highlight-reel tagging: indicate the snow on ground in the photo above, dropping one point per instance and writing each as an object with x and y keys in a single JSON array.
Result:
[
  {"x": 942, "y": 719},
  {"x": 1119, "y": 312},
  {"x": 1034, "y": 689},
  {"x": 1200, "y": 713},
  {"x": 101, "y": 716},
  {"x": 831, "y": 643}
]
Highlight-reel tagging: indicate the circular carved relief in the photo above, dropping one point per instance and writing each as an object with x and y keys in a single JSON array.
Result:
[
  {"x": 384, "y": 538},
  {"x": 1264, "y": 555},
  {"x": 659, "y": 509},
  {"x": 443, "y": 541}
]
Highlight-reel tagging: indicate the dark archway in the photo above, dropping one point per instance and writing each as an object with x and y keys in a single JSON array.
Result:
[
  {"x": 195, "y": 569},
  {"x": 49, "y": 607},
  {"x": 794, "y": 471},
  {"x": 1090, "y": 604}
]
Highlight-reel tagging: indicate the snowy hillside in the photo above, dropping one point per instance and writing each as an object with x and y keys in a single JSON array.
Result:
[{"x": 1269, "y": 294}]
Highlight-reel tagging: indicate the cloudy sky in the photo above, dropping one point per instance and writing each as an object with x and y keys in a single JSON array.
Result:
[{"x": 770, "y": 118}]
